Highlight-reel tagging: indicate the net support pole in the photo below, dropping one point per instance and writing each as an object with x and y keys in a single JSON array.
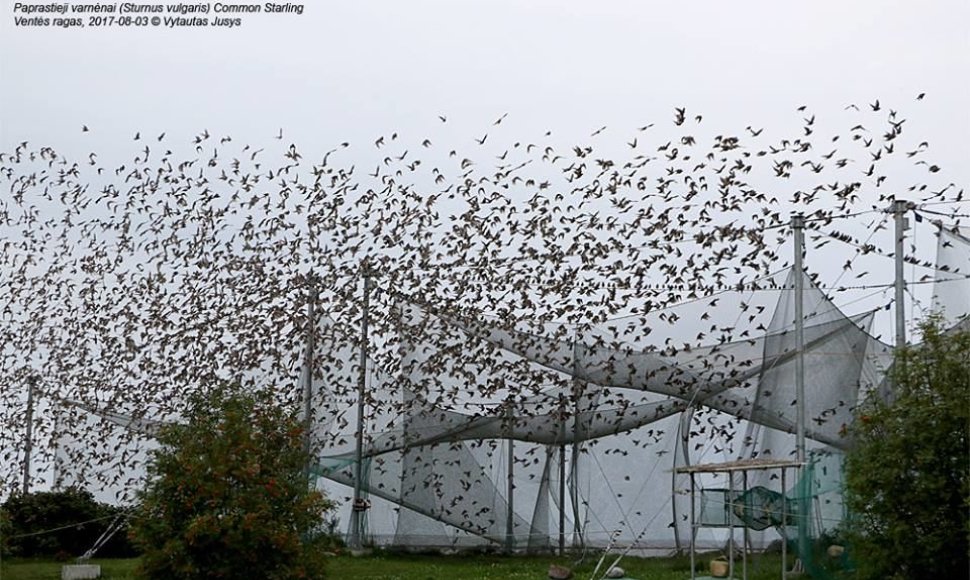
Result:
[
  {"x": 730, "y": 518},
  {"x": 693, "y": 528},
  {"x": 798, "y": 229},
  {"x": 562, "y": 475},
  {"x": 510, "y": 513},
  {"x": 308, "y": 372},
  {"x": 578, "y": 388},
  {"x": 745, "y": 531},
  {"x": 57, "y": 478},
  {"x": 683, "y": 438},
  {"x": 574, "y": 495},
  {"x": 562, "y": 500},
  {"x": 357, "y": 521},
  {"x": 899, "y": 210},
  {"x": 28, "y": 433},
  {"x": 784, "y": 525}
]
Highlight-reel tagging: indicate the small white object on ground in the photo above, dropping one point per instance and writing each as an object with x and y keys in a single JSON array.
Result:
[
  {"x": 616, "y": 572},
  {"x": 80, "y": 571}
]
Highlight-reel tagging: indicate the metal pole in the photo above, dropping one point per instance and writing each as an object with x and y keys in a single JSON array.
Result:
[
  {"x": 356, "y": 524},
  {"x": 510, "y": 514},
  {"x": 747, "y": 534},
  {"x": 574, "y": 493},
  {"x": 28, "y": 434},
  {"x": 730, "y": 518},
  {"x": 308, "y": 376},
  {"x": 784, "y": 526},
  {"x": 58, "y": 476},
  {"x": 693, "y": 529},
  {"x": 562, "y": 475},
  {"x": 900, "y": 208},
  {"x": 574, "y": 473},
  {"x": 683, "y": 437},
  {"x": 798, "y": 226}
]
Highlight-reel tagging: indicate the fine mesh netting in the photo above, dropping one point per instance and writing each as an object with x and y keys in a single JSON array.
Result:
[
  {"x": 529, "y": 435},
  {"x": 950, "y": 296},
  {"x": 449, "y": 469}
]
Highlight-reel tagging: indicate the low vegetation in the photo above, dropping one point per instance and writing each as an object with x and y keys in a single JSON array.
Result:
[
  {"x": 908, "y": 477},
  {"x": 227, "y": 495},
  {"x": 71, "y": 520},
  {"x": 392, "y": 566}
]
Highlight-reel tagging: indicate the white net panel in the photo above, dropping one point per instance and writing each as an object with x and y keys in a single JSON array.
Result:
[
  {"x": 578, "y": 434},
  {"x": 951, "y": 295}
]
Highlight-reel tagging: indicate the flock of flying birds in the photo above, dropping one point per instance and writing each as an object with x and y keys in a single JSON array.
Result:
[{"x": 128, "y": 284}]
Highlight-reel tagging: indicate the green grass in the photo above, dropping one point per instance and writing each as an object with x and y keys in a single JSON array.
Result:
[
  {"x": 18, "y": 569},
  {"x": 393, "y": 566}
]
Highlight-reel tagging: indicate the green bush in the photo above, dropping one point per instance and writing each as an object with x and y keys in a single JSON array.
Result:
[
  {"x": 60, "y": 524},
  {"x": 6, "y": 530},
  {"x": 227, "y": 496},
  {"x": 908, "y": 476}
]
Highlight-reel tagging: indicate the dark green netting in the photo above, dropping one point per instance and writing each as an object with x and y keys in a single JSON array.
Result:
[
  {"x": 808, "y": 517},
  {"x": 819, "y": 540},
  {"x": 758, "y": 508}
]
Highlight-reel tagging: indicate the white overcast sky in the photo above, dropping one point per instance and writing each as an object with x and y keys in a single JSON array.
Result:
[{"x": 351, "y": 71}]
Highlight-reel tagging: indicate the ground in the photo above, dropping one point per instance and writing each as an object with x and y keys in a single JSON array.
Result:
[{"x": 432, "y": 567}]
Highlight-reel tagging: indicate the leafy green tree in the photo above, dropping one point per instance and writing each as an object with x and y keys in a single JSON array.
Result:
[
  {"x": 227, "y": 495},
  {"x": 908, "y": 476}
]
